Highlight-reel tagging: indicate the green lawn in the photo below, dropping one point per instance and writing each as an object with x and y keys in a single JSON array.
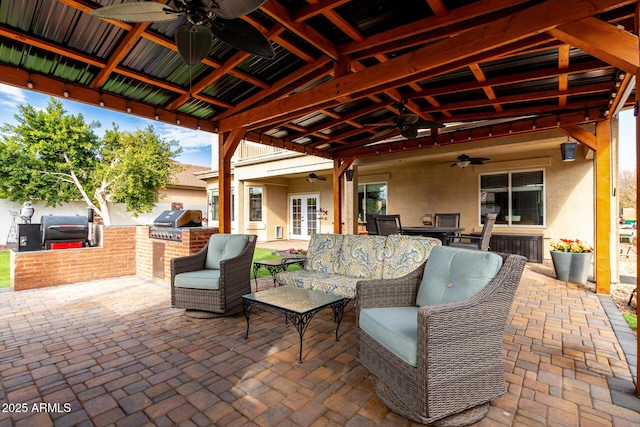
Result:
[
  {"x": 632, "y": 320},
  {"x": 5, "y": 275},
  {"x": 258, "y": 255}
]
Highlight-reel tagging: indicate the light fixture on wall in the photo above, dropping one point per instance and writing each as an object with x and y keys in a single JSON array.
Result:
[
  {"x": 568, "y": 150},
  {"x": 348, "y": 174}
]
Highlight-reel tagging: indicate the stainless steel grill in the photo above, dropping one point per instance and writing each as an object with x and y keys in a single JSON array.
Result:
[{"x": 168, "y": 225}]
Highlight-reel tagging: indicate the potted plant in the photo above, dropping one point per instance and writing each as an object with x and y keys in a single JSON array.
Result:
[{"x": 571, "y": 260}]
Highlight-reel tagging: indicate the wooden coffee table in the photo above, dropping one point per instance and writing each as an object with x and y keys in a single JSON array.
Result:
[{"x": 299, "y": 306}]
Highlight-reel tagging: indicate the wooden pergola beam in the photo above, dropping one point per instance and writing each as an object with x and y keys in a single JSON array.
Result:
[
  {"x": 613, "y": 45},
  {"x": 520, "y": 25}
]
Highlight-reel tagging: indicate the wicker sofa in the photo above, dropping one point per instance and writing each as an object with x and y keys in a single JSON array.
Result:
[
  {"x": 338, "y": 263},
  {"x": 435, "y": 349}
]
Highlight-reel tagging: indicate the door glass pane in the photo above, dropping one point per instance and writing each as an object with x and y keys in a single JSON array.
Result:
[
  {"x": 255, "y": 203},
  {"x": 214, "y": 207},
  {"x": 296, "y": 216},
  {"x": 312, "y": 216}
]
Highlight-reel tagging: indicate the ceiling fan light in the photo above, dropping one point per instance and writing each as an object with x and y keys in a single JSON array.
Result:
[{"x": 463, "y": 163}]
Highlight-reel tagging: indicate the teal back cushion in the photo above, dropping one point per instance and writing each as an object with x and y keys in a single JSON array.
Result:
[
  {"x": 454, "y": 274},
  {"x": 224, "y": 246}
]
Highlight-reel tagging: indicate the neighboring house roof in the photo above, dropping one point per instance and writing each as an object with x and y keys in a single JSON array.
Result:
[{"x": 187, "y": 179}]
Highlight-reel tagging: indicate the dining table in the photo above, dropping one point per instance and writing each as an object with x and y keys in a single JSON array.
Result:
[{"x": 442, "y": 233}]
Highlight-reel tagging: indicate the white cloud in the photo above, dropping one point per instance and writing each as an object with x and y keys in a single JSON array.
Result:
[
  {"x": 12, "y": 96},
  {"x": 188, "y": 139}
]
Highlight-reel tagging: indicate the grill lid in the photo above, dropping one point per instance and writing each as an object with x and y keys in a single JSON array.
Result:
[{"x": 179, "y": 218}]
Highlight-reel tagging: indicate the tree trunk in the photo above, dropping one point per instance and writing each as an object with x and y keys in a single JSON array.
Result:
[{"x": 103, "y": 211}]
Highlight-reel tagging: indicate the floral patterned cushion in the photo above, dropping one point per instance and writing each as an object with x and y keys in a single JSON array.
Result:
[
  {"x": 403, "y": 254},
  {"x": 362, "y": 256},
  {"x": 321, "y": 282},
  {"x": 324, "y": 253}
]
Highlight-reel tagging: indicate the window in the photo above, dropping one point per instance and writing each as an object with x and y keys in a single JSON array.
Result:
[
  {"x": 255, "y": 203},
  {"x": 372, "y": 199},
  {"x": 517, "y": 197},
  {"x": 214, "y": 205}
]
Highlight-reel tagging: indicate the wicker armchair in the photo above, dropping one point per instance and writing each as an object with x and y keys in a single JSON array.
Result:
[
  {"x": 211, "y": 282},
  {"x": 457, "y": 354}
]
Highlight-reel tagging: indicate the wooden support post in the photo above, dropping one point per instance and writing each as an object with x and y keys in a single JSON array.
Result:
[
  {"x": 339, "y": 167},
  {"x": 227, "y": 146},
  {"x": 637, "y": 28},
  {"x": 603, "y": 207},
  {"x": 337, "y": 198}
]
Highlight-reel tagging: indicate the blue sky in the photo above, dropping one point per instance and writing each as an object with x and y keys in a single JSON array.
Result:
[{"x": 196, "y": 145}]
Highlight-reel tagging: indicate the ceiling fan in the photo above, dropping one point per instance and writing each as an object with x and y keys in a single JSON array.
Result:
[
  {"x": 406, "y": 124},
  {"x": 464, "y": 161},
  {"x": 313, "y": 177},
  {"x": 205, "y": 19}
]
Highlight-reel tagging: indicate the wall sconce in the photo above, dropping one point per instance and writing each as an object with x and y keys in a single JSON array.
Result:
[
  {"x": 568, "y": 150},
  {"x": 348, "y": 174}
]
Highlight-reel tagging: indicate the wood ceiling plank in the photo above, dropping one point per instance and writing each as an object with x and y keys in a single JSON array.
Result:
[
  {"x": 50, "y": 47},
  {"x": 322, "y": 65},
  {"x": 438, "y": 7},
  {"x": 281, "y": 15},
  {"x": 316, "y": 8},
  {"x": 422, "y": 26},
  {"x": 476, "y": 69},
  {"x": 530, "y": 96},
  {"x": 118, "y": 54},
  {"x": 602, "y": 40},
  {"x": 518, "y": 26},
  {"x": 563, "y": 79}
]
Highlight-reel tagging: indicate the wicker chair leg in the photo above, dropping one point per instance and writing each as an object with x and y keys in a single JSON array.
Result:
[{"x": 464, "y": 418}]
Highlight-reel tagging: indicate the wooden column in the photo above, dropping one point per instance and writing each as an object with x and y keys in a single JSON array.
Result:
[
  {"x": 227, "y": 146},
  {"x": 637, "y": 28},
  {"x": 603, "y": 207},
  {"x": 339, "y": 166}
]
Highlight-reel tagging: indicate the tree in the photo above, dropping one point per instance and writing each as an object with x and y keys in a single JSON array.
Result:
[
  {"x": 627, "y": 186},
  {"x": 56, "y": 157}
]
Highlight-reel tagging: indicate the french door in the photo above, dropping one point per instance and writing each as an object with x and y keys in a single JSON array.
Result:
[{"x": 303, "y": 219}]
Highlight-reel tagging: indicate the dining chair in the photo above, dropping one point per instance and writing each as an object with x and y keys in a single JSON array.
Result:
[
  {"x": 447, "y": 219},
  {"x": 388, "y": 224},
  {"x": 473, "y": 241},
  {"x": 372, "y": 227}
]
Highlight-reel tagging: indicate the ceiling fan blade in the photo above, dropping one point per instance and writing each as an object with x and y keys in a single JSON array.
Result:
[
  {"x": 406, "y": 119},
  {"x": 243, "y": 36},
  {"x": 383, "y": 132},
  {"x": 379, "y": 124},
  {"x": 229, "y": 9},
  {"x": 428, "y": 124},
  {"x": 146, "y": 11},
  {"x": 193, "y": 42}
]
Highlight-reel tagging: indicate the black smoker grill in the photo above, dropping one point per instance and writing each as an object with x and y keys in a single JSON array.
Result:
[
  {"x": 168, "y": 226},
  {"x": 61, "y": 232}
]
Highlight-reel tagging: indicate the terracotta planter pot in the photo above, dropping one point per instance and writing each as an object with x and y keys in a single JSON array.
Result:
[{"x": 571, "y": 267}]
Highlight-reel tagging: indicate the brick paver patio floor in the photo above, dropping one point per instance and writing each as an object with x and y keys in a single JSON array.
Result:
[{"x": 113, "y": 352}]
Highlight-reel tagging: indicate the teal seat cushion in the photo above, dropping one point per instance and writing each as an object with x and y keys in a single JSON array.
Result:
[
  {"x": 199, "y": 279},
  {"x": 396, "y": 328},
  {"x": 454, "y": 274},
  {"x": 224, "y": 246}
]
